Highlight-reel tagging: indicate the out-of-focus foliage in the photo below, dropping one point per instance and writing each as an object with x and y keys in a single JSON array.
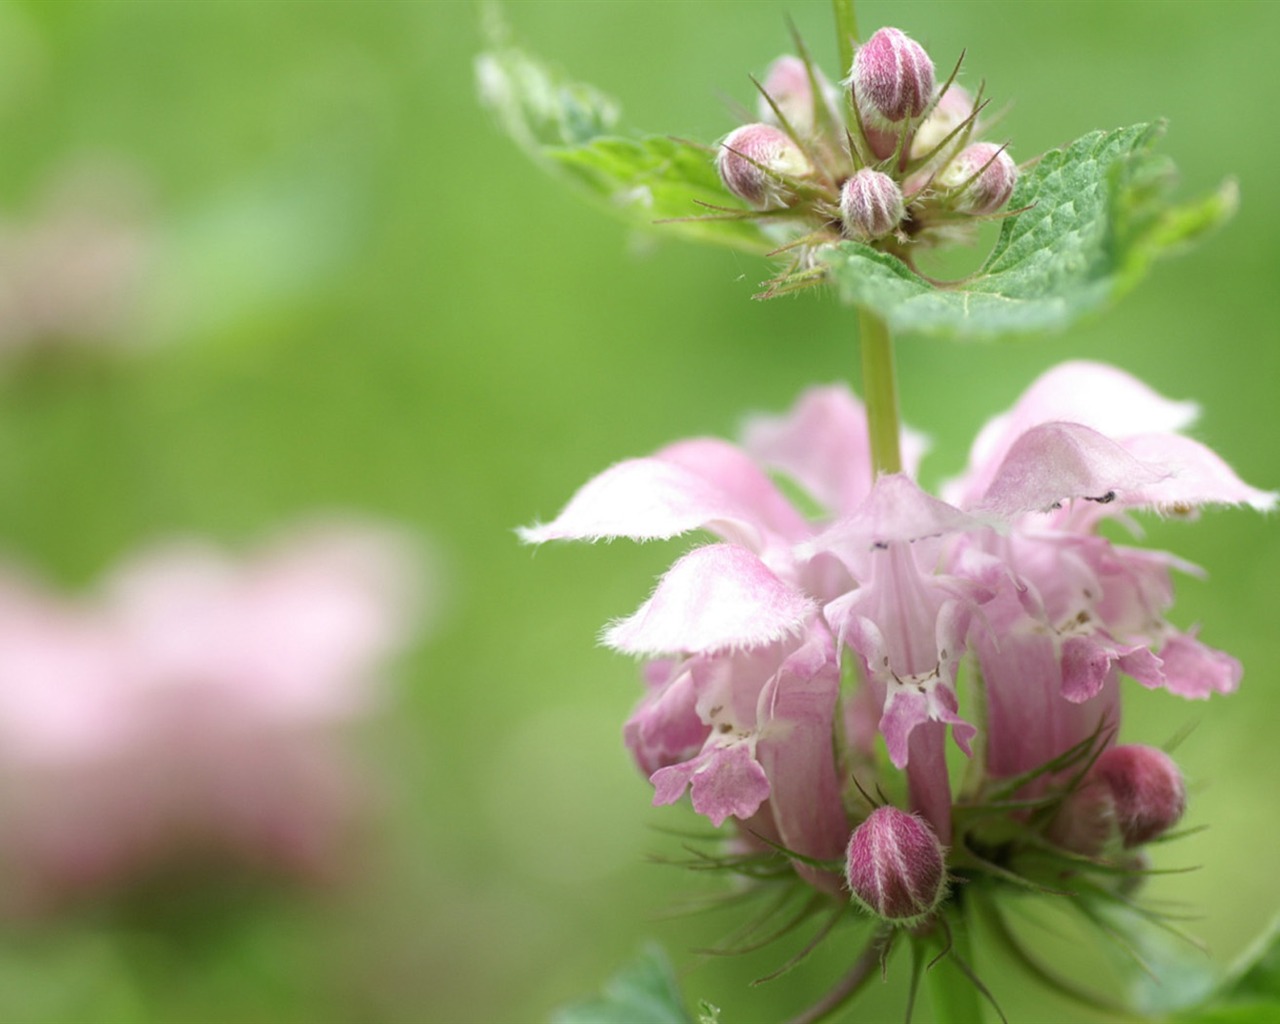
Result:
[{"x": 355, "y": 295}]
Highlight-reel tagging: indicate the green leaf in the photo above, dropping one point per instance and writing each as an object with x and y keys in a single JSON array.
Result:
[
  {"x": 571, "y": 128},
  {"x": 1098, "y": 215},
  {"x": 1250, "y": 994},
  {"x": 1237, "y": 1013},
  {"x": 644, "y": 992}
]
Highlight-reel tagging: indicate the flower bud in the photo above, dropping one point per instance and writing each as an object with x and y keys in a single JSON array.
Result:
[
  {"x": 996, "y": 174},
  {"x": 1146, "y": 789},
  {"x": 891, "y": 77},
  {"x": 787, "y": 84},
  {"x": 870, "y": 205},
  {"x": 1086, "y": 821},
  {"x": 895, "y": 866},
  {"x": 948, "y": 114},
  {"x": 752, "y": 158}
]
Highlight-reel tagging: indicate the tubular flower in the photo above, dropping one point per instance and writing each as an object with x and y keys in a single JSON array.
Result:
[{"x": 744, "y": 706}]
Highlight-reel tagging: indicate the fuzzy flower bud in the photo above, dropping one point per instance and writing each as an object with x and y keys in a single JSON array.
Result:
[
  {"x": 951, "y": 110},
  {"x": 995, "y": 173},
  {"x": 891, "y": 77},
  {"x": 870, "y": 205},
  {"x": 1146, "y": 789},
  {"x": 751, "y": 160},
  {"x": 787, "y": 83},
  {"x": 895, "y": 866}
]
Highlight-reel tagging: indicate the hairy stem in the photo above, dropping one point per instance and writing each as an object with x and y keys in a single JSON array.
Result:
[{"x": 880, "y": 392}]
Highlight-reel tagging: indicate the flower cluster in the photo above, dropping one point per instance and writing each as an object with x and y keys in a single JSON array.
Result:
[
  {"x": 192, "y": 716},
  {"x": 798, "y": 665},
  {"x": 892, "y": 162}
]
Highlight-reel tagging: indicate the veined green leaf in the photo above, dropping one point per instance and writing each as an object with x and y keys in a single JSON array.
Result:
[
  {"x": 571, "y": 128},
  {"x": 1097, "y": 215}
]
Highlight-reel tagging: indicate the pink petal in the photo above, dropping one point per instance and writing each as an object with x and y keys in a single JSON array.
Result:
[
  {"x": 1195, "y": 670},
  {"x": 665, "y": 728},
  {"x": 716, "y": 597},
  {"x": 795, "y": 750},
  {"x": 735, "y": 475},
  {"x": 895, "y": 510},
  {"x": 1055, "y": 462},
  {"x": 727, "y": 782},
  {"x": 647, "y": 499},
  {"x": 822, "y": 444},
  {"x": 1094, "y": 395},
  {"x": 1196, "y": 476}
]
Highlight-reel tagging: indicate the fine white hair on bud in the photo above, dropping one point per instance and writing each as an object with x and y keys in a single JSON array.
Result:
[
  {"x": 1146, "y": 789},
  {"x": 990, "y": 173},
  {"x": 953, "y": 107},
  {"x": 891, "y": 78},
  {"x": 895, "y": 866},
  {"x": 787, "y": 83},
  {"x": 871, "y": 205},
  {"x": 754, "y": 160}
]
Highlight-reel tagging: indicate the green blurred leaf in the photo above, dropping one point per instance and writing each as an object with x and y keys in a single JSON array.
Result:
[
  {"x": 1097, "y": 216},
  {"x": 644, "y": 992},
  {"x": 1250, "y": 994},
  {"x": 571, "y": 128},
  {"x": 1241, "y": 1013},
  {"x": 1256, "y": 975}
]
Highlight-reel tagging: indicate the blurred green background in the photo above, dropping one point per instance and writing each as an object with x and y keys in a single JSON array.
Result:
[{"x": 361, "y": 297}]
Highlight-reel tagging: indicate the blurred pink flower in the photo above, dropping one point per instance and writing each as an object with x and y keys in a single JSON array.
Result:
[{"x": 195, "y": 711}]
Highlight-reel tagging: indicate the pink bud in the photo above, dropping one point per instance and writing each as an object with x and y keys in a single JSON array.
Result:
[
  {"x": 895, "y": 866},
  {"x": 788, "y": 85},
  {"x": 753, "y": 158},
  {"x": 871, "y": 205},
  {"x": 1146, "y": 788},
  {"x": 891, "y": 77},
  {"x": 948, "y": 114},
  {"x": 996, "y": 174},
  {"x": 1086, "y": 821}
]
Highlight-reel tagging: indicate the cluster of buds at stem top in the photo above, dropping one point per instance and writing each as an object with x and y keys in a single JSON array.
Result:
[{"x": 893, "y": 163}]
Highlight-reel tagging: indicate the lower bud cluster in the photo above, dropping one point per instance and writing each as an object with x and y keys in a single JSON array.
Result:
[{"x": 893, "y": 162}]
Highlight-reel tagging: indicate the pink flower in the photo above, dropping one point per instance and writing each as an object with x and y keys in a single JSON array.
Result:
[
  {"x": 1084, "y": 443},
  {"x": 741, "y": 707},
  {"x": 194, "y": 709},
  {"x": 743, "y": 714}
]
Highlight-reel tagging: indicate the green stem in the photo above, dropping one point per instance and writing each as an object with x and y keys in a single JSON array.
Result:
[
  {"x": 880, "y": 392},
  {"x": 956, "y": 998},
  {"x": 846, "y": 32}
]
